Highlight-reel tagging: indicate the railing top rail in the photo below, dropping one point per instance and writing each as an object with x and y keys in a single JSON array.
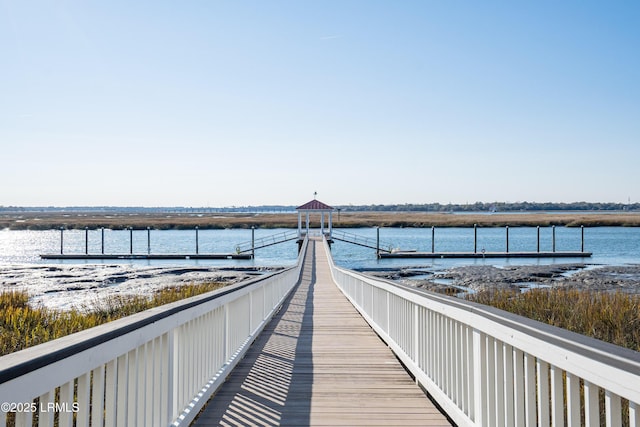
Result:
[{"x": 21, "y": 362}]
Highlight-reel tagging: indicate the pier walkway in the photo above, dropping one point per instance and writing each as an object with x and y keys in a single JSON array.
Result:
[{"x": 319, "y": 363}]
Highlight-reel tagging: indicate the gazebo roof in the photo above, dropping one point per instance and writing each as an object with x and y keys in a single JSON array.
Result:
[{"x": 314, "y": 205}]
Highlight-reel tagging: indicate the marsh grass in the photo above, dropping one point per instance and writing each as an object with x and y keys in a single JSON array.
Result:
[
  {"x": 610, "y": 317},
  {"x": 48, "y": 221},
  {"x": 23, "y": 325}
]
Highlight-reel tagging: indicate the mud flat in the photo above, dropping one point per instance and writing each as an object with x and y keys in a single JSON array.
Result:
[
  {"x": 470, "y": 279},
  {"x": 78, "y": 286}
]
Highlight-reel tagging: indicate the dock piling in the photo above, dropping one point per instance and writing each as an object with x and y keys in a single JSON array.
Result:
[
  {"x": 475, "y": 238},
  {"x": 253, "y": 242},
  {"x": 507, "y": 237},
  {"x": 433, "y": 239}
]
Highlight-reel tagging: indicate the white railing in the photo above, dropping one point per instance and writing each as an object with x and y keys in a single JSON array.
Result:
[
  {"x": 155, "y": 368},
  {"x": 486, "y": 367}
]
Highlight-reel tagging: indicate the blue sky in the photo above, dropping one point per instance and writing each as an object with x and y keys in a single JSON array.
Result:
[{"x": 222, "y": 103}]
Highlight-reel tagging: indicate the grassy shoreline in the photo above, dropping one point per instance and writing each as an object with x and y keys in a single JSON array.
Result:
[
  {"x": 23, "y": 325},
  {"x": 48, "y": 221}
]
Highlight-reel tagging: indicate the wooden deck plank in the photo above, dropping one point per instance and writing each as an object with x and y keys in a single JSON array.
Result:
[{"x": 319, "y": 363}]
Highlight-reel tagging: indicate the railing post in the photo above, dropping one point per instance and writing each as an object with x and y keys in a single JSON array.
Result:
[
  {"x": 131, "y": 240},
  {"x": 102, "y": 240},
  {"x": 582, "y": 238},
  {"x": 61, "y": 240},
  {"x": 86, "y": 240},
  {"x": 538, "y": 229},
  {"x": 148, "y": 240},
  {"x": 553, "y": 238},
  {"x": 253, "y": 242}
]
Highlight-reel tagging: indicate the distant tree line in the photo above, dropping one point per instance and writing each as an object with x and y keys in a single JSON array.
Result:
[{"x": 496, "y": 207}]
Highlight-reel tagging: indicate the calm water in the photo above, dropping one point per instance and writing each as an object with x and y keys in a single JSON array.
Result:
[
  {"x": 26, "y": 246},
  {"x": 610, "y": 245}
]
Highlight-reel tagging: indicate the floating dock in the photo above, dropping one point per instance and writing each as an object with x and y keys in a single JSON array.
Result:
[
  {"x": 145, "y": 256},
  {"x": 415, "y": 254}
]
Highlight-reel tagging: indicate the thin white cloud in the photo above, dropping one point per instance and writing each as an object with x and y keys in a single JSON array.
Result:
[{"x": 330, "y": 37}]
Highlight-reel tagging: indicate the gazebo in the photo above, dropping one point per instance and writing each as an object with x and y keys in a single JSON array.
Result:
[{"x": 314, "y": 206}]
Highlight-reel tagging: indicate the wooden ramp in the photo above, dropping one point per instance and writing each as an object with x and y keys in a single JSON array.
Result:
[{"x": 318, "y": 363}]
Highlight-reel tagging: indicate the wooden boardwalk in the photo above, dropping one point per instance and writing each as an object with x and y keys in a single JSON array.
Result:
[{"x": 319, "y": 363}]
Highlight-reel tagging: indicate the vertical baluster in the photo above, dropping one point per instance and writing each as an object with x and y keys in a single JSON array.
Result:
[
  {"x": 634, "y": 415},
  {"x": 530, "y": 387},
  {"x": 519, "y": 394},
  {"x": 508, "y": 384},
  {"x": 491, "y": 381},
  {"x": 111, "y": 387},
  {"x": 613, "y": 407},
  {"x": 45, "y": 416},
  {"x": 97, "y": 396},
  {"x": 23, "y": 419},
  {"x": 158, "y": 378},
  {"x": 83, "y": 413},
  {"x": 173, "y": 377},
  {"x": 573, "y": 400},
  {"x": 149, "y": 366},
  {"x": 467, "y": 373},
  {"x": 591, "y": 405},
  {"x": 557, "y": 397},
  {"x": 480, "y": 397},
  {"x": 457, "y": 364},
  {"x": 122, "y": 391},
  {"x": 65, "y": 416},
  {"x": 132, "y": 387},
  {"x": 543, "y": 393},
  {"x": 142, "y": 367}
]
